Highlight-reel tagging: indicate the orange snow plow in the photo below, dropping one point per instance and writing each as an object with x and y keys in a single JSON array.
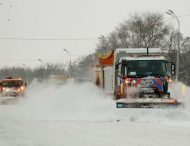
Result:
[{"x": 148, "y": 103}]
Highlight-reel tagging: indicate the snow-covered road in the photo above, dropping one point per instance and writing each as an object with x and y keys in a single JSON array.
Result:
[
  {"x": 81, "y": 115},
  {"x": 81, "y": 133}
]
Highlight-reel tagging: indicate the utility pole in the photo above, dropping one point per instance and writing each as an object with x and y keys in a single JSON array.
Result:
[
  {"x": 70, "y": 66},
  {"x": 171, "y": 13},
  {"x": 27, "y": 74},
  {"x": 40, "y": 60}
]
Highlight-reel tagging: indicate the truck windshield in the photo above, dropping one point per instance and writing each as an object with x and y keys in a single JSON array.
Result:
[
  {"x": 146, "y": 68},
  {"x": 12, "y": 83}
]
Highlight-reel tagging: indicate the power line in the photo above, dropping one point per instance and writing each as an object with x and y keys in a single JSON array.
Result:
[
  {"x": 17, "y": 60},
  {"x": 184, "y": 15},
  {"x": 35, "y": 60},
  {"x": 47, "y": 39},
  {"x": 61, "y": 39}
]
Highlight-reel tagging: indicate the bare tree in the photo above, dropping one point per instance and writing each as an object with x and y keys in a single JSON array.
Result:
[{"x": 140, "y": 30}]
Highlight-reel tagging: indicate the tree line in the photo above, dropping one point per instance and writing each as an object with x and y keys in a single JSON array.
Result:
[{"x": 40, "y": 73}]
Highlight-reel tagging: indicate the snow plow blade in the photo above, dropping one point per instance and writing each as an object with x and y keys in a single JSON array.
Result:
[{"x": 169, "y": 103}]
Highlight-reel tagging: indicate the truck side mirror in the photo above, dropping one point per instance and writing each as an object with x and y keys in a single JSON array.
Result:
[
  {"x": 124, "y": 63},
  {"x": 172, "y": 69},
  {"x": 116, "y": 66}
]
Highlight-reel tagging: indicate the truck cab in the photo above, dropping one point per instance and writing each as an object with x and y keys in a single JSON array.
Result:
[{"x": 142, "y": 73}]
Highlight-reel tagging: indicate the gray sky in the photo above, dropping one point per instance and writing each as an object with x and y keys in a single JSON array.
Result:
[{"x": 69, "y": 19}]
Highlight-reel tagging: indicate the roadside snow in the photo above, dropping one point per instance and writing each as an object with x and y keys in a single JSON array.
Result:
[{"x": 81, "y": 115}]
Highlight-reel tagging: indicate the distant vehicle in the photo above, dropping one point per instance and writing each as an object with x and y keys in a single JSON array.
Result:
[{"x": 12, "y": 87}]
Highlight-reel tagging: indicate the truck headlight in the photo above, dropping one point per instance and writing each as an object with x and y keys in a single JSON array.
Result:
[
  {"x": 170, "y": 80},
  {"x": 22, "y": 87},
  {"x": 127, "y": 81},
  {"x": 18, "y": 90}
]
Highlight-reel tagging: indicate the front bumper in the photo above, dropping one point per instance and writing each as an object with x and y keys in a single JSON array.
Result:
[{"x": 10, "y": 93}]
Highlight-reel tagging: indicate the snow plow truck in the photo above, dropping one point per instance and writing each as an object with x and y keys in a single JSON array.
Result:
[{"x": 136, "y": 77}]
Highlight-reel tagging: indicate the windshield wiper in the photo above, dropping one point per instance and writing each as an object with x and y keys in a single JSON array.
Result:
[
  {"x": 136, "y": 76},
  {"x": 157, "y": 75}
]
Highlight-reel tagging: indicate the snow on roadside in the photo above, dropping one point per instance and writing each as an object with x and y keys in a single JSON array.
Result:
[
  {"x": 81, "y": 115},
  {"x": 86, "y": 102},
  {"x": 181, "y": 92},
  {"x": 67, "y": 102}
]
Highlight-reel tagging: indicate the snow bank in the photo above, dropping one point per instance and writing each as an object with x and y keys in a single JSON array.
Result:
[
  {"x": 181, "y": 92},
  {"x": 67, "y": 102}
]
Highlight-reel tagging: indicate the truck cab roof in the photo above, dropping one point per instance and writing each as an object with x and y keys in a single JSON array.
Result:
[{"x": 143, "y": 58}]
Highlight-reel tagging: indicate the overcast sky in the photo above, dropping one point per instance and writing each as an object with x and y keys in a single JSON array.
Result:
[{"x": 69, "y": 19}]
